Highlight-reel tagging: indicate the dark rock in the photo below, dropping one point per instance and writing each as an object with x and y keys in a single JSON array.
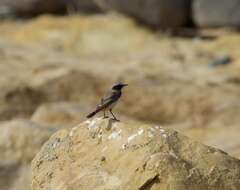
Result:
[
  {"x": 21, "y": 101},
  {"x": 6, "y": 12},
  {"x": 86, "y": 6},
  {"x": 27, "y": 8},
  {"x": 158, "y": 13},
  {"x": 220, "y": 61},
  {"x": 216, "y": 13},
  {"x": 33, "y": 7}
]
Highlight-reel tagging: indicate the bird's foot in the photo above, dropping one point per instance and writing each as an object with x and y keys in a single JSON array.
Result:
[
  {"x": 115, "y": 119},
  {"x": 105, "y": 117}
]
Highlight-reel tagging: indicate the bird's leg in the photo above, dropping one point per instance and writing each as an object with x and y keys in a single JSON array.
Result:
[
  {"x": 113, "y": 115},
  {"x": 104, "y": 114}
]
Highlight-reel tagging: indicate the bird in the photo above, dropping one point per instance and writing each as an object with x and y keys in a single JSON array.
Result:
[{"x": 109, "y": 101}]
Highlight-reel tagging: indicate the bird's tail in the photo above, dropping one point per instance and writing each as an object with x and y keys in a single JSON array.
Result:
[{"x": 92, "y": 114}]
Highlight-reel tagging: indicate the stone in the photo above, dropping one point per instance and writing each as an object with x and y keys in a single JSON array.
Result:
[
  {"x": 20, "y": 140},
  {"x": 216, "y": 13},
  {"x": 221, "y": 61},
  {"x": 87, "y": 6},
  {"x": 158, "y": 13},
  {"x": 36, "y": 7},
  {"x": 111, "y": 155},
  {"x": 59, "y": 114},
  {"x": 32, "y": 7}
]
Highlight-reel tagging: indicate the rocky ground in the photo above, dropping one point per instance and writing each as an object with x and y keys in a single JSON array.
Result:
[{"x": 55, "y": 69}]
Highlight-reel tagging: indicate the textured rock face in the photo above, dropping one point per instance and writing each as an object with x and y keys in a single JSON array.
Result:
[
  {"x": 163, "y": 13},
  {"x": 216, "y": 13},
  {"x": 109, "y": 155},
  {"x": 20, "y": 140}
]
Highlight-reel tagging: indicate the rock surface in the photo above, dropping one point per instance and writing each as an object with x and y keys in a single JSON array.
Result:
[
  {"x": 35, "y": 7},
  {"x": 216, "y": 13},
  {"x": 159, "y": 13},
  {"x": 109, "y": 155},
  {"x": 20, "y": 140},
  {"x": 87, "y": 6}
]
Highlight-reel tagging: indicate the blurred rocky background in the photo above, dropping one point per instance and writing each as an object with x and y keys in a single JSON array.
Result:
[{"x": 181, "y": 59}]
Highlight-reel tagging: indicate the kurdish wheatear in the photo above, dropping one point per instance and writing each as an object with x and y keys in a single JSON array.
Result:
[{"x": 109, "y": 101}]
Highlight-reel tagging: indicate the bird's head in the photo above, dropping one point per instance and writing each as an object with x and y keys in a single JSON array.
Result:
[{"x": 118, "y": 86}]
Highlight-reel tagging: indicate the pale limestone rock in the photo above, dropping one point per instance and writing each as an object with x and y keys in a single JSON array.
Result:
[{"x": 103, "y": 154}]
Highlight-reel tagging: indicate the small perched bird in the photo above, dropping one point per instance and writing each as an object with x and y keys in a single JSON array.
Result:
[{"x": 109, "y": 101}]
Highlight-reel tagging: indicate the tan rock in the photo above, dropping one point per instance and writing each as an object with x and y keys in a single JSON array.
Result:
[
  {"x": 102, "y": 154},
  {"x": 59, "y": 114},
  {"x": 20, "y": 140},
  {"x": 23, "y": 178}
]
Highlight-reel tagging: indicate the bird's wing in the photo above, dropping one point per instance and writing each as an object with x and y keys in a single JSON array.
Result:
[{"x": 109, "y": 98}]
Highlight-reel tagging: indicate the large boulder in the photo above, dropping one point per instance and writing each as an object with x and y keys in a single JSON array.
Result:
[
  {"x": 35, "y": 7},
  {"x": 20, "y": 140},
  {"x": 32, "y": 7},
  {"x": 159, "y": 13},
  {"x": 110, "y": 155},
  {"x": 216, "y": 13},
  {"x": 82, "y": 5}
]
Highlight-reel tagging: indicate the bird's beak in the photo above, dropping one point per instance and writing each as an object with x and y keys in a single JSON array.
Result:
[{"x": 125, "y": 85}]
